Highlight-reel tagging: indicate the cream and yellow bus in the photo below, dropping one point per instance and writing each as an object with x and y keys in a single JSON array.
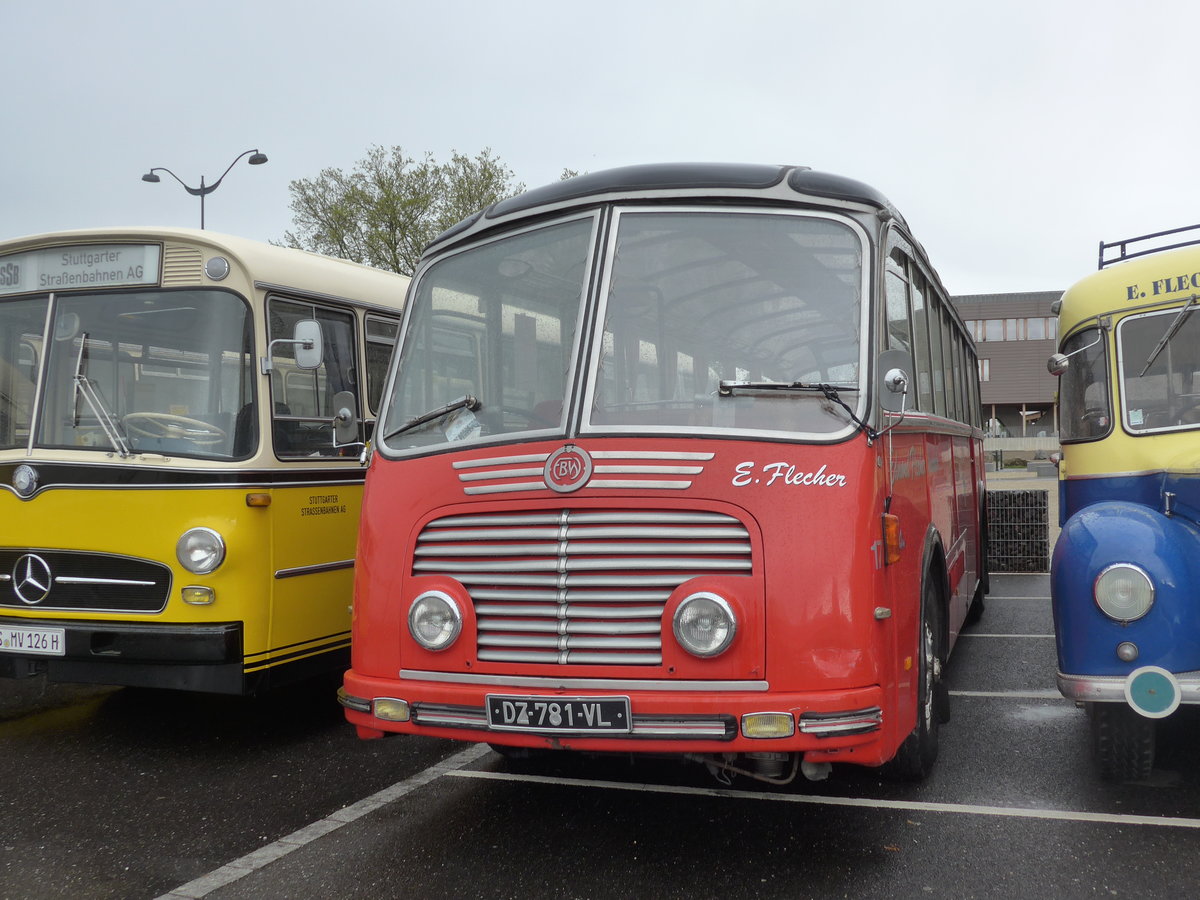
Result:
[{"x": 174, "y": 511}]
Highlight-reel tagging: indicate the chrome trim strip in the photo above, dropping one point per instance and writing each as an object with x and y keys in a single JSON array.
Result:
[
  {"x": 499, "y": 461},
  {"x": 611, "y": 484},
  {"x": 315, "y": 569},
  {"x": 858, "y": 721},
  {"x": 712, "y": 729},
  {"x": 508, "y": 488},
  {"x": 499, "y": 473},
  {"x": 597, "y": 684},
  {"x": 79, "y": 579},
  {"x": 649, "y": 454},
  {"x": 358, "y": 704}
]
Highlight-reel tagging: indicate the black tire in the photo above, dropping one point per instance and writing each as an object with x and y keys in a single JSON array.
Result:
[
  {"x": 915, "y": 759},
  {"x": 1122, "y": 742}
]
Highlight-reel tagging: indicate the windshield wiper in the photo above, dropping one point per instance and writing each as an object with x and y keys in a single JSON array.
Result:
[
  {"x": 95, "y": 400},
  {"x": 729, "y": 388},
  {"x": 465, "y": 402},
  {"x": 828, "y": 391},
  {"x": 1174, "y": 327}
]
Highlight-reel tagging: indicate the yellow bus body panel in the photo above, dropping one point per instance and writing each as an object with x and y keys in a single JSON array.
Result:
[{"x": 286, "y": 615}]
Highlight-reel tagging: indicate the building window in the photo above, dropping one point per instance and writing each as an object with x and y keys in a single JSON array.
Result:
[{"x": 985, "y": 370}]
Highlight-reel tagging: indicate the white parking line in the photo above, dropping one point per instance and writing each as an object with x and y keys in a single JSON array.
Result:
[
  {"x": 1011, "y": 695},
  {"x": 252, "y": 862},
  {"x": 972, "y": 634},
  {"x": 1061, "y": 815}
]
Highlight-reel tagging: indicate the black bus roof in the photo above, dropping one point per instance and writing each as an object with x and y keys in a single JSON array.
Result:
[{"x": 684, "y": 179}]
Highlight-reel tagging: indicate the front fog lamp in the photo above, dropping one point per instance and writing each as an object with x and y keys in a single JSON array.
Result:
[
  {"x": 704, "y": 624},
  {"x": 434, "y": 620},
  {"x": 200, "y": 550},
  {"x": 390, "y": 709},
  {"x": 768, "y": 725},
  {"x": 1124, "y": 592}
]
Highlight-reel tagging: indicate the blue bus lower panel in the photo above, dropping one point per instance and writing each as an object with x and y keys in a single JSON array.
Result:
[{"x": 1167, "y": 549}]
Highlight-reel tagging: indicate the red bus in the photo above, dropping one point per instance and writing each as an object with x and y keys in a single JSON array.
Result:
[{"x": 681, "y": 459}]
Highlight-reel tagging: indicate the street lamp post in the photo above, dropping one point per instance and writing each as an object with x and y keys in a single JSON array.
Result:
[{"x": 256, "y": 159}]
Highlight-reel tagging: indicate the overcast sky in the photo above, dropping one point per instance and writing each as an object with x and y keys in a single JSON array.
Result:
[{"x": 1013, "y": 135}]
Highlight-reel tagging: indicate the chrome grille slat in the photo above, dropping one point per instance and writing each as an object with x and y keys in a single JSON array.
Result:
[
  {"x": 578, "y": 587},
  {"x": 506, "y": 595},
  {"x": 560, "y": 564},
  {"x": 568, "y": 611}
]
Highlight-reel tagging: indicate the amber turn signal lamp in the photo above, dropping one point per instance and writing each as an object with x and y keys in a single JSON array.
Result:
[{"x": 891, "y": 538}]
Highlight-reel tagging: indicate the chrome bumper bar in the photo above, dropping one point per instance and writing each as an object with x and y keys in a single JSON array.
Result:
[{"x": 1111, "y": 688}]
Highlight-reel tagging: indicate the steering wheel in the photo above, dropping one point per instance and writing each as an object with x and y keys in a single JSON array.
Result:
[{"x": 165, "y": 425}]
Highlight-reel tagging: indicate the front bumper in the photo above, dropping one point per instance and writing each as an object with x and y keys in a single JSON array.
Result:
[
  {"x": 135, "y": 654},
  {"x": 665, "y": 718}
]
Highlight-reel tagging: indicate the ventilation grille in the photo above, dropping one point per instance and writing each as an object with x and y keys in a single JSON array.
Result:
[
  {"x": 181, "y": 265},
  {"x": 578, "y": 587}
]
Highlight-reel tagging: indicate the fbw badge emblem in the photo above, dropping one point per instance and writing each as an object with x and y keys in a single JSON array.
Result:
[{"x": 568, "y": 469}]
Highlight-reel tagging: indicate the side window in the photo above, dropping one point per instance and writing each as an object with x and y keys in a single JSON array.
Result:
[
  {"x": 302, "y": 399},
  {"x": 899, "y": 328},
  {"x": 936, "y": 360},
  {"x": 1085, "y": 412},
  {"x": 953, "y": 406},
  {"x": 921, "y": 345},
  {"x": 381, "y": 341}
]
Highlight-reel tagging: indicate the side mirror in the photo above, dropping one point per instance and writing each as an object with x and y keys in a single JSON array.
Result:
[
  {"x": 892, "y": 377},
  {"x": 1058, "y": 363},
  {"x": 345, "y": 419},
  {"x": 310, "y": 348}
]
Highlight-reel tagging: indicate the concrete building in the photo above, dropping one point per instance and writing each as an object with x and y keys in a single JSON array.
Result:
[{"x": 1014, "y": 336}]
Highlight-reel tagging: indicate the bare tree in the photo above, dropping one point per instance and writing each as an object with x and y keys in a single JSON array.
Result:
[{"x": 385, "y": 211}]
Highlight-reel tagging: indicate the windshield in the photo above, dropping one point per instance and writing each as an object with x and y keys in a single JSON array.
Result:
[
  {"x": 697, "y": 298},
  {"x": 1164, "y": 394},
  {"x": 162, "y": 372},
  {"x": 690, "y": 299},
  {"x": 496, "y": 323}
]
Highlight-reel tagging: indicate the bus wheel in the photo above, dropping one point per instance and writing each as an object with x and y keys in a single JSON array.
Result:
[
  {"x": 1122, "y": 742},
  {"x": 916, "y": 756}
]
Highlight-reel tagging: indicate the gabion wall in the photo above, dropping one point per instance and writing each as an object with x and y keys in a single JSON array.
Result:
[{"x": 1018, "y": 531}]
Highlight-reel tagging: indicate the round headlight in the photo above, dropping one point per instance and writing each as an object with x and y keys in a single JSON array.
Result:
[
  {"x": 434, "y": 620},
  {"x": 1124, "y": 592},
  {"x": 704, "y": 624},
  {"x": 200, "y": 550}
]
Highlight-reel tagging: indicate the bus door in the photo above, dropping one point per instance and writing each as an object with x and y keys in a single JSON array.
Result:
[{"x": 315, "y": 515}]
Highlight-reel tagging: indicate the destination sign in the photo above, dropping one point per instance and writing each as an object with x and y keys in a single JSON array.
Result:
[{"x": 79, "y": 267}]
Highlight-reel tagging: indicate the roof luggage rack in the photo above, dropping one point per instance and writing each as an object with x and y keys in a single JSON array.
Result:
[{"x": 1124, "y": 253}]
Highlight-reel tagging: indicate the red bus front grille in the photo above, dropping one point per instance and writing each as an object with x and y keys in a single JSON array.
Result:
[{"x": 578, "y": 587}]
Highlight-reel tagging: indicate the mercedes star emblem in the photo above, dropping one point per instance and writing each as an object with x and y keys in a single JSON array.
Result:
[{"x": 31, "y": 579}]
